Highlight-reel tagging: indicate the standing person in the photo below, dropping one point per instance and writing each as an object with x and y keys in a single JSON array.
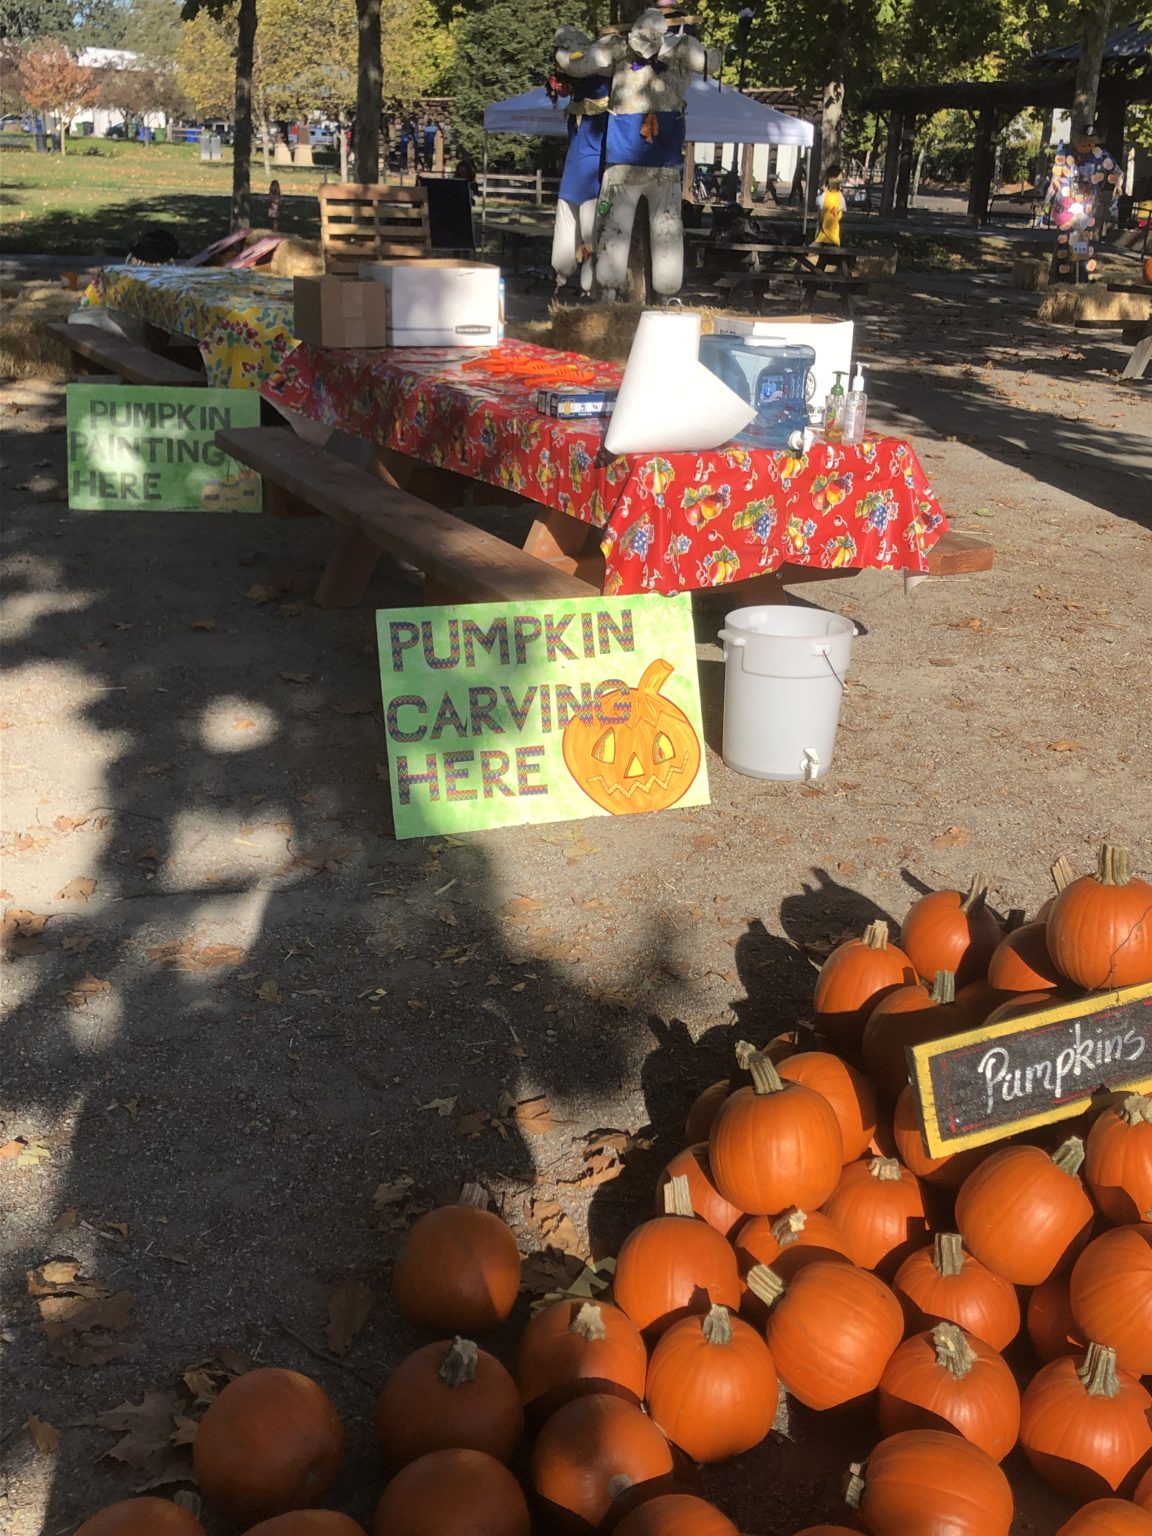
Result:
[{"x": 830, "y": 206}]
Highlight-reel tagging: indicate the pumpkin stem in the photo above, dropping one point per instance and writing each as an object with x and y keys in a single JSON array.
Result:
[
  {"x": 787, "y": 1228},
  {"x": 854, "y": 1486},
  {"x": 765, "y": 1078},
  {"x": 876, "y": 935},
  {"x": 954, "y": 1354},
  {"x": 764, "y": 1283},
  {"x": 977, "y": 895},
  {"x": 459, "y": 1363},
  {"x": 744, "y": 1052},
  {"x": 1137, "y": 1109},
  {"x": 1115, "y": 866},
  {"x": 887, "y": 1169},
  {"x": 947, "y": 1253},
  {"x": 1098, "y": 1372},
  {"x": 944, "y": 988},
  {"x": 474, "y": 1194},
  {"x": 1070, "y": 1156},
  {"x": 656, "y": 674},
  {"x": 717, "y": 1326},
  {"x": 589, "y": 1324},
  {"x": 678, "y": 1197},
  {"x": 1015, "y": 919},
  {"x": 1062, "y": 873}
]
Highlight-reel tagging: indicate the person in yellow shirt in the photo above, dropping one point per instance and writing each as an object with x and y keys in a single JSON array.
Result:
[{"x": 830, "y": 205}]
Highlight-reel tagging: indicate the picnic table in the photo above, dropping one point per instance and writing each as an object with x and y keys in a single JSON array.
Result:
[
  {"x": 762, "y": 261},
  {"x": 664, "y": 522},
  {"x": 241, "y": 321},
  {"x": 1139, "y": 332}
]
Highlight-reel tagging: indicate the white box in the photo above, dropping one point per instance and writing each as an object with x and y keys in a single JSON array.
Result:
[
  {"x": 439, "y": 302},
  {"x": 830, "y": 339}
]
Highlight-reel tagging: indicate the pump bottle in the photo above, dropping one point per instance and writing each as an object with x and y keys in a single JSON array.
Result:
[{"x": 855, "y": 409}]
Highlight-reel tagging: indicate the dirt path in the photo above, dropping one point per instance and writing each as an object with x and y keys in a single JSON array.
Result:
[{"x": 250, "y": 1007}]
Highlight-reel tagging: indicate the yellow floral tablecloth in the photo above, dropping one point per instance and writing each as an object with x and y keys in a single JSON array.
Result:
[{"x": 241, "y": 321}]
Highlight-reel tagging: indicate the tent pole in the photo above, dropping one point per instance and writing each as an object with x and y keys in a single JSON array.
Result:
[
  {"x": 484, "y": 196},
  {"x": 807, "y": 188}
]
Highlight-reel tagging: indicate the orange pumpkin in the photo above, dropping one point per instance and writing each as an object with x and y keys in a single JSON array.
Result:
[
  {"x": 852, "y": 980},
  {"x": 1086, "y": 1427},
  {"x": 952, "y": 1376},
  {"x": 1023, "y": 1213},
  {"x": 831, "y": 1330},
  {"x": 775, "y": 1144},
  {"x": 786, "y": 1244},
  {"x": 712, "y": 1386},
  {"x": 847, "y": 1090},
  {"x": 307, "y": 1522},
  {"x": 1111, "y": 1294},
  {"x": 448, "y": 1396},
  {"x": 596, "y": 1454},
  {"x": 1051, "y": 1326},
  {"x": 950, "y": 1171},
  {"x": 573, "y": 1349},
  {"x": 453, "y": 1493},
  {"x": 459, "y": 1268},
  {"x": 640, "y": 752},
  {"x": 675, "y": 1514},
  {"x": 943, "y": 1284},
  {"x": 1108, "y": 1517},
  {"x": 1100, "y": 926},
  {"x": 142, "y": 1517},
  {"x": 707, "y": 1201},
  {"x": 1143, "y": 1494},
  {"x": 879, "y": 1207},
  {"x": 674, "y": 1265},
  {"x": 908, "y": 1016},
  {"x": 1118, "y": 1159},
  {"x": 270, "y": 1442},
  {"x": 1021, "y": 962},
  {"x": 1147, "y": 269},
  {"x": 952, "y": 931},
  {"x": 704, "y": 1108},
  {"x": 922, "y": 1482}
]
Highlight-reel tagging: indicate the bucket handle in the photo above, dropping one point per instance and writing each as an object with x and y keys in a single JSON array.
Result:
[
  {"x": 730, "y": 639},
  {"x": 821, "y": 648}
]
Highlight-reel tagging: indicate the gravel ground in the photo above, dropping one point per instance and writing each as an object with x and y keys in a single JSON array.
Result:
[{"x": 249, "y": 1007}]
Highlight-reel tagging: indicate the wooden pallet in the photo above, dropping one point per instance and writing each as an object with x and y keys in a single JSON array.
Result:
[
  {"x": 372, "y": 223},
  {"x": 459, "y": 562}
]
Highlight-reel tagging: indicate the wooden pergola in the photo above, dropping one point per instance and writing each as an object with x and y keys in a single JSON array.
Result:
[{"x": 1125, "y": 78}]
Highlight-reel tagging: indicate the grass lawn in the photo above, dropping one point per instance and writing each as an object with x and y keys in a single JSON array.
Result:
[{"x": 97, "y": 198}]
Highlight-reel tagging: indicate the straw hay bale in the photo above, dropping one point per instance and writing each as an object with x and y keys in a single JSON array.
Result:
[
  {"x": 294, "y": 257},
  {"x": 878, "y": 267},
  {"x": 25, "y": 351},
  {"x": 1030, "y": 273},
  {"x": 1072, "y": 304}
]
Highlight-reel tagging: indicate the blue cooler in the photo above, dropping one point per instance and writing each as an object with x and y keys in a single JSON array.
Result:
[{"x": 771, "y": 375}]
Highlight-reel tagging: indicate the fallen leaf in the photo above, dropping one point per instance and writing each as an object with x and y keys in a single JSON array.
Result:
[
  {"x": 70, "y": 823},
  {"x": 67, "y": 1220},
  {"x": 354, "y": 707},
  {"x": 28, "y": 1154},
  {"x": 78, "y": 889},
  {"x": 185, "y": 956},
  {"x": 297, "y": 677},
  {"x": 45, "y": 1437},
  {"x": 392, "y": 1193},
  {"x": 955, "y": 837},
  {"x": 577, "y": 1282},
  {"x": 262, "y": 593},
  {"x": 327, "y": 856},
  {"x": 184, "y": 1431},
  {"x": 268, "y": 991},
  {"x": 443, "y": 1107},
  {"x": 520, "y": 908},
  {"x": 349, "y": 1306},
  {"x": 473, "y": 1123},
  {"x": 554, "y": 1224},
  {"x": 76, "y": 1328},
  {"x": 76, "y": 943},
  {"x": 20, "y": 932},
  {"x": 243, "y": 725},
  {"x": 446, "y": 915},
  {"x": 85, "y": 990},
  {"x": 531, "y": 1115},
  {"x": 942, "y": 661},
  {"x": 978, "y": 625},
  {"x": 1064, "y": 746},
  {"x": 61, "y": 1277},
  {"x": 205, "y": 624},
  {"x": 146, "y": 1428}
]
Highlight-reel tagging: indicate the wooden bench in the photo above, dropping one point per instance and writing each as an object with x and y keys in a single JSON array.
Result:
[
  {"x": 811, "y": 283},
  {"x": 96, "y": 351},
  {"x": 459, "y": 562}
]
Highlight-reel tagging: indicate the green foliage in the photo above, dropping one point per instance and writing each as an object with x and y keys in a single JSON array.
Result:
[{"x": 23, "y": 21}]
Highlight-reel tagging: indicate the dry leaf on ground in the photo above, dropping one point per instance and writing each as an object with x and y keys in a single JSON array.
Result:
[
  {"x": 78, "y": 1328},
  {"x": 268, "y": 991},
  {"x": 186, "y": 956},
  {"x": 20, "y": 933},
  {"x": 297, "y": 677},
  {"x": 71, "y": 823},
  {"x": 61, "y": 1277},
  {"x": 531, "y": 1115},
  {"x": 442, "y": 1107},
  {"x": 147, "y": 1430},
  {"x": 349, "y": 1307},
  {"x": 554, "y": 1225},
  {"x": 67, "y": 1220},
  {"x": 76, "y": 943},
  {"x": 954, "y": 837},
  {"x": 27, "y": 1153},
  {"x": 1064, "y": 746},
  {"x": 261, "y": 592},
  {"x": 78, "y": 889},
  {"x": 45, "y": 1437},
  {"x": 87, "y": 988},
  {"x": 392, "y": 1193}
]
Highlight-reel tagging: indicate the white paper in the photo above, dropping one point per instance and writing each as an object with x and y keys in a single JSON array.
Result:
[{"x": 668, "y": 401}]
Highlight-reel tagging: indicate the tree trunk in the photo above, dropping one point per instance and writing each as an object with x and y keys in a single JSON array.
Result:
[
  {"x": 242, "y": 119},
  {"x": 342, "y": 132},
  {"x": 891, "y": 163},
  {"x": 831, "y": 126},
  {"x": 904, "y": 172},
  {"x": 919, "y": 171},
  {"x": 368, "y": 92},
  {"x": 63, "y": 132},
  {"x": 980, "y": 187},
  {"x": 1096, "y": 15}
]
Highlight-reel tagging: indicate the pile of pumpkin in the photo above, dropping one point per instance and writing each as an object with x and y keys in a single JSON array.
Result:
[{"x": 807, "y": 1245}]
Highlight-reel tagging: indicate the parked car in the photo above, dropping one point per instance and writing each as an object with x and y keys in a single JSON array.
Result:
[
  {"x": 117, "y": 131},
  {"x": 14, "y": 123}
]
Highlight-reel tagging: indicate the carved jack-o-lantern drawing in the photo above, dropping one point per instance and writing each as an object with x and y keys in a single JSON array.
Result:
[{"x": 642, "y": 752}]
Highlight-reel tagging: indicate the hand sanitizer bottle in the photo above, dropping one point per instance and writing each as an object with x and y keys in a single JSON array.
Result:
[
  {"x": 834, "y": 412},
  {"x": 855, "y": 409}
]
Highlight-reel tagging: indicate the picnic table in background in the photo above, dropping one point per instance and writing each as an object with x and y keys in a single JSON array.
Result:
[
  {"x": 754, "y": 264},
  {"x": 666, "y": 522},
  {"x": 241, "y": 321}
]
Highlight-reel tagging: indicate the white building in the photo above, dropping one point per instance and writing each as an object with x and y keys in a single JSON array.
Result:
[{"x": 103, "y": 118}]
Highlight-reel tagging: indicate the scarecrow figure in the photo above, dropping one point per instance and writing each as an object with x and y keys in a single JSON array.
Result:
[
  {"x": 1084, "y": 185},
  {"x": 644, "y": 144},
  {"x": 573, "y": 239}
]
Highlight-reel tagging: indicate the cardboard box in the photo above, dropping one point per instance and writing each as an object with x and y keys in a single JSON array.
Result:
[
  {"x": 829, "y": 338},
  {"x": 340, "y": 312},
  {"x": 439, "y": 302}
]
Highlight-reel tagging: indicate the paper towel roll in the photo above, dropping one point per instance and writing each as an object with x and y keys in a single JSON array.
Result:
[{"x": 668, "y": 400}]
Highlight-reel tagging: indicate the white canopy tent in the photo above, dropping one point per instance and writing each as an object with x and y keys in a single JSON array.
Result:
[{"x": 714, "y": 114}]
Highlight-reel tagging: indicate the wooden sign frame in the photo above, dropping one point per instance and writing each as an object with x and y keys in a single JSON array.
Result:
[{"x": 938, "y": 1066}]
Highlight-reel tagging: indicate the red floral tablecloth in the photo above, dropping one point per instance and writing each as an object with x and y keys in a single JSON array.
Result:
[{"x": 669, "y": 521}]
